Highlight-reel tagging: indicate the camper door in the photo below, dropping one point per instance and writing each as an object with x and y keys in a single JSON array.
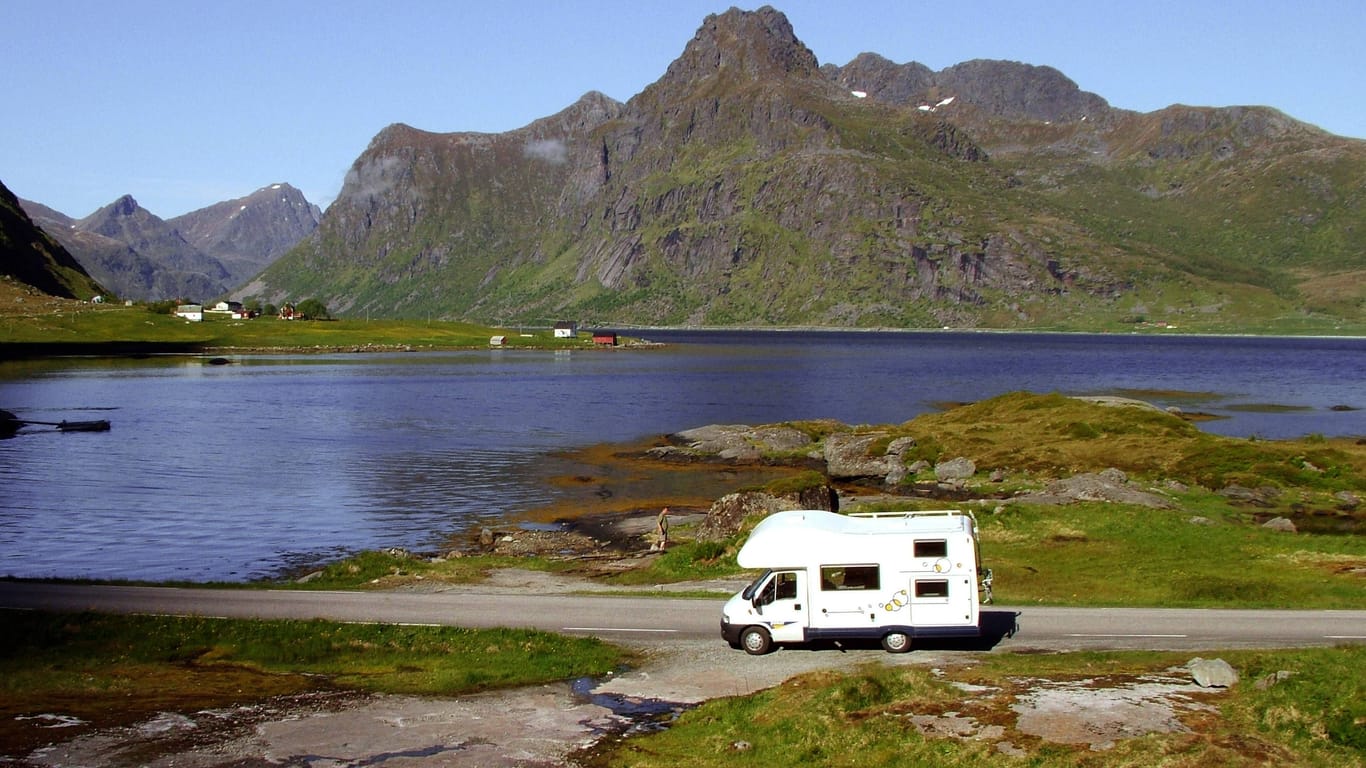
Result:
[
  {"x": 782, "y": 603},
  {"x": 941, "y": 593}
]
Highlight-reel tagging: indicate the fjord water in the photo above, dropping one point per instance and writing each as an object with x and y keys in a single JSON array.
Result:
[{"x": 240, "y": 471}]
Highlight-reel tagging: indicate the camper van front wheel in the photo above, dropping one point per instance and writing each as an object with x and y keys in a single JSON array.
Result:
[
  {"x": 896, "y": 642},
  {"x": 756, "y": 641}
]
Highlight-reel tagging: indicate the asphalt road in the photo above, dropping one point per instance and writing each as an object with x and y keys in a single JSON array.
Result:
[{"x": 658, "y": 620}]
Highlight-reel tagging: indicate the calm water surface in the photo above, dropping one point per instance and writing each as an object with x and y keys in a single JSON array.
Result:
[{"x": 245, "y": 470}]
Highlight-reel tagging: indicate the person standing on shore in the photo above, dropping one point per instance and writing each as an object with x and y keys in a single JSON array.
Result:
[{"x": 662, "y": 528}]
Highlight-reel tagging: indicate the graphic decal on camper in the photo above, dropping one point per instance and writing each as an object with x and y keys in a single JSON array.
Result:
[{"x": 897, "y": 601}]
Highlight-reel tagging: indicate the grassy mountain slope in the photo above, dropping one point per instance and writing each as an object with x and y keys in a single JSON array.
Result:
[{"x": 31, "y": 256}]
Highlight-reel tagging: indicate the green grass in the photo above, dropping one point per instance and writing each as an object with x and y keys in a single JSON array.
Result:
[
  {"x": 70, "y": 653},
  {"x": 1313, "y": 717},
  {"x": 1098, "y": 554},
  {"x": 686, "y": 561}
]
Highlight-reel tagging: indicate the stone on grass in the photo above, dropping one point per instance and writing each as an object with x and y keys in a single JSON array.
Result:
[
  {"x": 1283, "y": 524},
  {"x": 1212, "y": 673}
]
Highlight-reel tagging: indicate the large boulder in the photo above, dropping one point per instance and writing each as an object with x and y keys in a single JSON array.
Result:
[
  {"x": 849, "y": 456},
  {"x": 955, "y": 470},
  {"x": 728, "y": 514}
]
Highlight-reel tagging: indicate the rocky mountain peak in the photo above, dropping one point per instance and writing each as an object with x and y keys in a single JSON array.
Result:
[
  {"x": 124, "y": 206},
  {"x": 121, "y": 217},
  {"x": 246, "y": 234},
  {"x": 751, "y": 44},
  {"x": 591, "y": 110}
]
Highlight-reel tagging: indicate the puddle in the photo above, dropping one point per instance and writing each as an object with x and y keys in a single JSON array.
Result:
[{"x": 637, "y": 714}]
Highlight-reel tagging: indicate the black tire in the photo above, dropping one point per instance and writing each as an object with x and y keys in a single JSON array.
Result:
[
  {"x": 756, "y": 641},
  {"x": 896, "y": 642}
]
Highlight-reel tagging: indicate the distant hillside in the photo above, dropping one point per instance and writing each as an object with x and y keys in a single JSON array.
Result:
[
  {"x": 751, "y": 186},
  {"x": 32, "y": 257},
  {"x": 200, "y": 255}
]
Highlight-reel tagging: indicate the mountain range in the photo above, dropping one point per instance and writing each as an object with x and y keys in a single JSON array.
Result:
[
  {"x": 749, "y": 185},
  {"x": 200, "y": 255}
]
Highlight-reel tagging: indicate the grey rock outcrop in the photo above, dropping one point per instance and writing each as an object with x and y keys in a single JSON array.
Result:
[
  {"x": 1006, "y": 89},
  {"x": 1110, "y": 485},
  {"x": 738, "y": 442},
  {"x": 847, "y": 456},
  {"x": 1264, "y": 496}
]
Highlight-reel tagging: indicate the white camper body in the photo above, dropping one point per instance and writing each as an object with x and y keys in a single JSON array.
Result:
[{"x": 888, "y": 577}]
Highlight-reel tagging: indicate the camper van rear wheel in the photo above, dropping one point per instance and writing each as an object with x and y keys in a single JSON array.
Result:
[
  {"x": 756, "y": 641},
  {"x": 896, "y": 642}
]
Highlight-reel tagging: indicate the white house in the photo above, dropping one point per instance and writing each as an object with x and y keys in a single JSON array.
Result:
[
  {"x": 232, "y": 309},
  {"x": 566, "y": 329},
  {"x": 192, "y": 312}
]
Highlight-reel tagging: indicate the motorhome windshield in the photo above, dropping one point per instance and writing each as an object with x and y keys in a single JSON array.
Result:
[{"x": 748, "y": 594}]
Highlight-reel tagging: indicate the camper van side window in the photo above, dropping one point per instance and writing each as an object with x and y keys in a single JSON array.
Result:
[
  {"x": 932, "y": 588},
  {"x": 936, "y": 548},
  {"x": 838, "y": 578}
]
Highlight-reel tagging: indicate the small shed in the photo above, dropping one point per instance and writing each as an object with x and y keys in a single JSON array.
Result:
[
  {"x": 605, "y": 338},
  {"x": 497, "y": 341}
]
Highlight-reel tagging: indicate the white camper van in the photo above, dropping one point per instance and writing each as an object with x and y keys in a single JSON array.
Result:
[{"x": 889, "y": 577}]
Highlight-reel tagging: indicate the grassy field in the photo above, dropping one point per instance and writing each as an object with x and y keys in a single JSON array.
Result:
[{"x": 44, "y": 324}]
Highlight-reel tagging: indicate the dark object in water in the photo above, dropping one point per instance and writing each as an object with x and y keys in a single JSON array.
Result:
[
  {"x": 97, "y": 425},
  {"x": 9, "y": 424}
]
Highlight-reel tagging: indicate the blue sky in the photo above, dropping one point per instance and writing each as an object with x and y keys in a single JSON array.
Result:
[{"x": 183, "y": 103}]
